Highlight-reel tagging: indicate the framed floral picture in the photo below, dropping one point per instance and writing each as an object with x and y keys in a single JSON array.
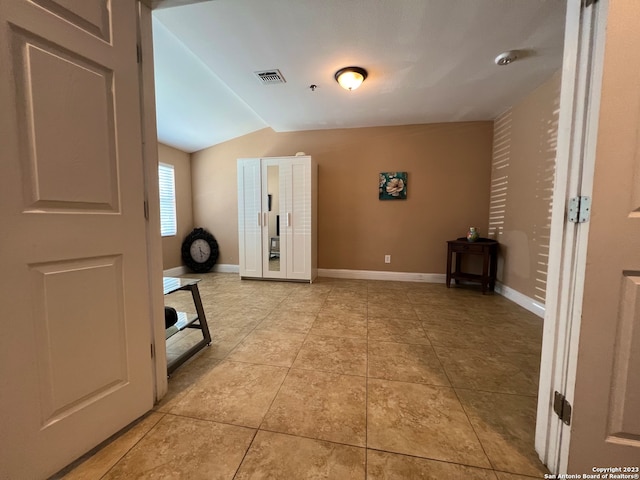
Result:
[{"x": 393, "y": 185}]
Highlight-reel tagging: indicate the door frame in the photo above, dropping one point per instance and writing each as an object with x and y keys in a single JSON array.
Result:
[
  {"x": 583, "y": 62},
  {"x": 152, "y": 197},
  {"x": 568, "y": 242}
]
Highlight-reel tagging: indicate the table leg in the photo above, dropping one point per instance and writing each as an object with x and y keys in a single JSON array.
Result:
[
  {"x": 195, "y": 293},
  {"x": 493, "y": 269},
  {"x": 449, "y": 267},
  {"x": 485, "y": 271},
  {"x": 206, "y": 336}
]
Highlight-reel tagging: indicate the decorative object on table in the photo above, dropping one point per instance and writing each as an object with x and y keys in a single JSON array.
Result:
[
  {"x": 472, "y": 235},
  {"x": 200, "y": 250},
  {"x": 392, "y": 186},
  {"x": 170, "y": 317}
]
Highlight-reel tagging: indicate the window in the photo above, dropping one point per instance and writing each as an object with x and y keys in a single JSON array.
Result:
[{"x": 167, "y": 182}]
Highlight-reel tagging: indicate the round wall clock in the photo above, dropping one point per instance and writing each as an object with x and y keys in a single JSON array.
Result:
[{"x": 199, "y": 250}]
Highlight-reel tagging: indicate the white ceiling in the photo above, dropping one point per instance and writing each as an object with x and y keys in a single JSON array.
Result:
[{"x": 428, "y": 61}]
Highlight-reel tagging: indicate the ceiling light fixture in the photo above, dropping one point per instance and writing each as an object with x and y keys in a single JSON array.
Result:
[
  {"x": 506, "y": 58},
  {"x": 350, "y": 78}
]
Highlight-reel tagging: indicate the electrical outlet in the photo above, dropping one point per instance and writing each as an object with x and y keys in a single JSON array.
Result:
[{"x": 387, "y": 259}]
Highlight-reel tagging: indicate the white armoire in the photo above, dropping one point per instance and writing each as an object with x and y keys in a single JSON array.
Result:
[{"x": 277, "y": 218}]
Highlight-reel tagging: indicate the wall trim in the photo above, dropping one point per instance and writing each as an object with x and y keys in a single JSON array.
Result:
[
  {"x": 521, "y": 299},
  {"x": 226, "y": 268},
  {"x": 379, "y": 275}
]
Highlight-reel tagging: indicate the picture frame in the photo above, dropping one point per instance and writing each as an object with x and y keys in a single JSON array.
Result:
[{"x": 392, "y": 186}]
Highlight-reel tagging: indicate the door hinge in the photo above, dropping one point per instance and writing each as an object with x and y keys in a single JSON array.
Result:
[
  {"x": 579, "y": 209},
  {"x": 139, "y": 53},
  {"x": 562, "y": 408},
  {"x": 153, "y": 351},
  {"x": 146, "y": 209}
]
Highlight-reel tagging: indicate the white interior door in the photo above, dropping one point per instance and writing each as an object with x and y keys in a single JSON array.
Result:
[
  {"x": 76, "y": 362},
  {"x": 605, "y": 425},
  {"x": 250, "y": 218}
]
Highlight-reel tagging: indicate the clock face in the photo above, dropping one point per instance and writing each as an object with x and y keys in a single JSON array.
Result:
[{"x": 200, "y": 250}]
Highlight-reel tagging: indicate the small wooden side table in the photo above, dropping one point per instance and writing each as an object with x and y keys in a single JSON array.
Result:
[{"x": 483, "y": 246}]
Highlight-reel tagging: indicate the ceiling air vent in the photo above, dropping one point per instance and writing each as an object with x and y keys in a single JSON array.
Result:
[{"x": 270, "y": 77}]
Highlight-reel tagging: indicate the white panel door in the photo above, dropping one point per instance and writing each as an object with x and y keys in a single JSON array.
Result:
[
  {"x": 605, "y": 426},
  {"x": 297, "y": 179},
  {"x": 75, "y": 344},
  {"x": 250, "y": 217}
]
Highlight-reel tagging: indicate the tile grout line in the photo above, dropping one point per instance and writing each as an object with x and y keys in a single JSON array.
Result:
[
  {"x": 258, "y": 429},
  {"x": 288, "y": 369},
  {"x": 438, "y": 460},
  {"x": 366, "y": 397},
  {"x": 475, "y": 432},
  {"x": 459, "y": 400},
  {"x": 253, "y": 329},
  {"x": 246, "y": 452},
  {"x": 122, "y": 457},
  {"x": 464, "y": 410},
  {"x": 315, "y": 439}
]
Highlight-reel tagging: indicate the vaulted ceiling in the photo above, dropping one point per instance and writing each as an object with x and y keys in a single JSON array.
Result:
[{"x": 427, "y": 60}]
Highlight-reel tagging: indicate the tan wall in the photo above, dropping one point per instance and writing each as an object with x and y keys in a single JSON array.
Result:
[
  {"x": 522, "y": 188},
  {"x": 181, "y": 162},
  {"x": 448, "y": 167}
]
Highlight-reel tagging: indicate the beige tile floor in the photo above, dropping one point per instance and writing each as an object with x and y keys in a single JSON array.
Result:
[{"x": 340, "y": 379}]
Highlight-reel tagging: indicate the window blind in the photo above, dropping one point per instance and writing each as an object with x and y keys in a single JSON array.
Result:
[{"x": 167, "y": 184}]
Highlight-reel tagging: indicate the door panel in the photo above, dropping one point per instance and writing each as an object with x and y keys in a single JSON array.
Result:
[
  {"x": 298, "y": 207},
  {"x": 250, "y": 217},
  {"x": 76, "y": 364},
  {"x": 605, "y": 429},
  {"x": 75, "y": 175},
  {"x": 90, "y": 15},
  {"x": 63, "y": 293},
  {"x": 624, "y": 417}
]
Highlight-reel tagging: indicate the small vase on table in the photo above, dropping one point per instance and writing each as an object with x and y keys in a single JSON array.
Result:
[{"x": 472, "y": 235}]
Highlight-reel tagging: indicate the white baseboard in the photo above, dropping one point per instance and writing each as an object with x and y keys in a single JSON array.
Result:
[
  {"x": 528, "y": 303},
  {"x": 226, "y": 268},
  {"x": 379, "y": 275},
  {"x": 182, "y": 270}
]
